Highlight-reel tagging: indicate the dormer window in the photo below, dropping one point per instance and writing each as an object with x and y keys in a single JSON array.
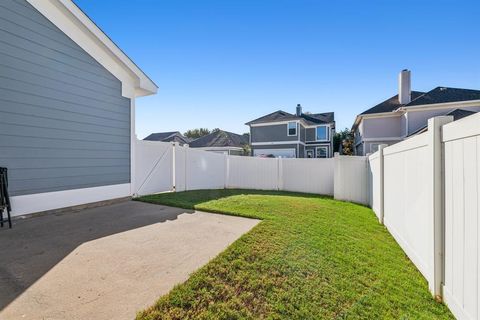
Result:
[
  {"x": 322, "y": 133},
  {"x": 292, "y": 129}
]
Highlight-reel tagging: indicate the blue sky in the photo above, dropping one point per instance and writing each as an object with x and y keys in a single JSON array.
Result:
[{"x": 223, "y": 63}]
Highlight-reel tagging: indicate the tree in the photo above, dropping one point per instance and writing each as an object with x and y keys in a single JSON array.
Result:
[
  {"x": 196, "y": 133},
  {"x": 344, "y": 139}
]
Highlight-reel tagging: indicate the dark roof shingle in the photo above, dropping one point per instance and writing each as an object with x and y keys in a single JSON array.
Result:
[
  {"x": 390, "y": 104},
  {"x": 171, "y": 136},
  {"x": 444, "y": 95},
  {"x": 220, "y": 138},
  {"x": 309, "y": 118}
]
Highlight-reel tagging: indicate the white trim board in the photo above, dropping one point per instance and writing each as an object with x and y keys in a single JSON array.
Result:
[
  {"x": 382, "y": 139},
  {"x": 303, "y": 123},
  {"x": 444, "y": 105},
  {"x": 62, "y": 199},
  {"x": 272, "y": 143}
]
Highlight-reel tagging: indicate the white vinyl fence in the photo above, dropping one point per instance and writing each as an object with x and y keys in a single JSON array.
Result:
[
  {"x": 427, "y": 189},
  {"x": 163, "y": 167},
  {"x": 253, "y": 173},
  {"x": 351, "y": 179},
  {"x": 408, "y": 209}
]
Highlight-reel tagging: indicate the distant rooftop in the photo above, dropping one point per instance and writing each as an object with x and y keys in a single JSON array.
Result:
[
  {"x": 220, "y": 138},
  {"x": 309, "y": 118},
  {"x": 171, "y": 136}
]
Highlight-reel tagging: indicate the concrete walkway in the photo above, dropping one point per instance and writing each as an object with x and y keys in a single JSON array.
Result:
[{"x": 107, "y": 262}]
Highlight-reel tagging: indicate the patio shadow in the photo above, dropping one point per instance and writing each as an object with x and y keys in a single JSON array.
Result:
[{"x": 36, "y": 245}]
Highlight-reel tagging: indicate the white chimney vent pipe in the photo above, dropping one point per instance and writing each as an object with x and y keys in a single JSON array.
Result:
[{"x": 404, "y": 87}]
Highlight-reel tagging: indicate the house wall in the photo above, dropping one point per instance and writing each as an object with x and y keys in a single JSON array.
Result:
[
  {"x": 272, "y": 133},
  {"x": 367, "y": 145},
  {"x": 310, "y": 134},
  {"x": 313, "y": 147},
  {"x": 63, "y": 121},
  {"x": 303, "y": 132},
  {"x": 383, "y": 127},
  {"x": 359, "y": 149},
  {"x": 418, "y": 119}
]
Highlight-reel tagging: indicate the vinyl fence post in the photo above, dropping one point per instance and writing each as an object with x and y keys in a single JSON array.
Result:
[
  {"x": 227, "y": 171},
  {"x": 381, "y": 182},
  {"x": 185, "y": 168},
  {"x": 174, "y": 188},
  {"x": 279, "y": 173},
  {"x": 436, "y": 164},
  {"x": 336, "y": 176}
]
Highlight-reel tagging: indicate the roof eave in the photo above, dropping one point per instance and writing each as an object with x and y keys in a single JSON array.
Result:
[{"x": 442, "y": 104}]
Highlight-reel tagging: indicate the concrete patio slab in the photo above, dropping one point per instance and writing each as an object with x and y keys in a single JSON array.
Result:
[{"x": 107, "y": 262}]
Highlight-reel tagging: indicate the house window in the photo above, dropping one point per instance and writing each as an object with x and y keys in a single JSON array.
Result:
[
  {"x": 322, "y": 152},
  {"x": 310, "y": 153},
  {"x": 374, "y": 147},
  {"x": 322, "y": 133},
  {"x": 292, "y": 129}
]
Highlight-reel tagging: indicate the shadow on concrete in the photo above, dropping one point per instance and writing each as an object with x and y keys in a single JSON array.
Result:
[{"x": 37, "y": 244}]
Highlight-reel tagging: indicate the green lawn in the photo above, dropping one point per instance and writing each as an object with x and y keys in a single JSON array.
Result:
[{"x": 311, "y": 257}]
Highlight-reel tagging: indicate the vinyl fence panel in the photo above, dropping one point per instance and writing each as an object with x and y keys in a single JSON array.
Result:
[
  {"x": 307, "y": 175},
  {"x": 351, "y": 179},
  {"x": 408, "y": 196},
  {"x": 462, "y": 224},
  {"x": 253, "y": 173},
  {"x": 204, "y": 170}
]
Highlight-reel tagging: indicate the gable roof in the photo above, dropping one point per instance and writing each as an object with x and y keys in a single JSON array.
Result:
[
  {"x": 437, "y": 95},
  {"x": 391, "y": 104},
  {"x": 309, "y": 118},
  {"x": 72, "y": 21},
  {"x": 445, "y": 95},
  {"x": 220, "y": 138},
  {"x": 171, "y": 136},
  {"x": 434, "y": 96},
  {"x": 456, "y": 113}
]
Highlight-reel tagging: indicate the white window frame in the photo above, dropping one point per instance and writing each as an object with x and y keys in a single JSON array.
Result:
[
  {"x": 288, "y": 129},
  {"x": 326, "y": 152},
  {"x": 327, "y": 131}
]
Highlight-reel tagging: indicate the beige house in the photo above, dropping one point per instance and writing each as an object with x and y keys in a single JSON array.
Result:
[{"x": 406, "y": 113}]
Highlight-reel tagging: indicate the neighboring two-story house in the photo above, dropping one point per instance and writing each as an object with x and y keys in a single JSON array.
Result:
[
  {"x": 299, "y": 135},
  {"x": 407, "y": 114}
]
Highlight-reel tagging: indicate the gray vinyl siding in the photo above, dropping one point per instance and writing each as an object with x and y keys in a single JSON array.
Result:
[
  {"x": 310, "y": 134},
  {"x": 63, "y": 121},
  {"x": 272, "y": 133},
  {"x": 302, "y": 133},
  {"x": 301, "y": 151}
]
